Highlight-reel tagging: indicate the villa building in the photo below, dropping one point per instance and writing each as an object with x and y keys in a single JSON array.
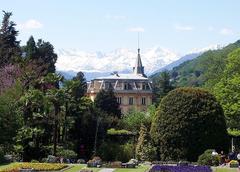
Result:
[{"x": 133, "y": 91}]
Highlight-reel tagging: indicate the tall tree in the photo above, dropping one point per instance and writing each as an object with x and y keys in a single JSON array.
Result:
[
  {"x": 34, "y": 132},
  {"x": 30, "y": 49},
  {"x": 227, "y": 90},
  {"x": 161, "y": 86},
  {"x": 145, "y": 150},
  {"x": 81, "y": 89},
  {"x": 10, "y": 116},
  {"x": 184, "y": 121},
  {"x": 9, "y": 46},
  {"x": 46, "y": 56},
  {"x": 107, "y": 102}
]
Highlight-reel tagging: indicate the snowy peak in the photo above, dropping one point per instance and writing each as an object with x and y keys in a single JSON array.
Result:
[
  {"x": 122, "y": 60},
  {"x": 118, "y": 60}
]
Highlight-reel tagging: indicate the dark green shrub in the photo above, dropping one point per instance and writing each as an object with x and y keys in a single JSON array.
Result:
[
  {"x": 188, "y": 121},
  {"x": 34, "y": 161},
  {"x": 66, "y": 153},
  {"x": 233, "y": 164},
  {"x": 110, "y": 151},
  {"x": 207, "y": 159},
  {"x": 1, "y": 155},
  {"x": 51, "y": 159},
  {"x": 127, "y": 152}
]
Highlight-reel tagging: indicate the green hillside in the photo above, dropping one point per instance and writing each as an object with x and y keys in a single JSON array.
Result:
[{"x": 206, "y": 70}]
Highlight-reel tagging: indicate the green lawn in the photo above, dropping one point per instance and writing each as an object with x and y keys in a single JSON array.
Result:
[
  {"x": 78, "y": 167},
  {"x": 225, "y": 170},
  {"x": 139, "y": 169},
  {"x": 75, "y": 168}
]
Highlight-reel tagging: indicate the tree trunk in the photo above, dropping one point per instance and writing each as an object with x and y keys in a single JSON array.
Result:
[
  {"x": 55, "y": 134},
  {"x": 64, "y": 134},
  {"x": 96, "y": 135}
]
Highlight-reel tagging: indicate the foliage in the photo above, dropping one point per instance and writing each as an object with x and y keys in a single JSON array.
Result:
[
  {"x": 9, "y": 76},
  {"x": 110, "y": 151},
  {"x": 107, "y": 102},
  {"x": 42, "y": 53},
  {"x": 133, "y": 120},
  {"x": 208, "y": 159},
  {"x": 161, "y": 86},
  {"x": 113, "y": 131},
  {"x": 204, "y": 71},
  {"x": 38, "y": 108},
  {"x": 227, "y": 90},
  {"x": 233, "y": 164},
  {"x": 34, "y": 161},
  {"x": 145, "y": 151},
  {"x": 10, "y": 117},
  {"x": 233, "y": 132},
  {"x": 184, "y": 121},
  {"x": 9, "y": 46},
  {"x": 1, "y": 155},
  {"x": 66, "y": 153}
]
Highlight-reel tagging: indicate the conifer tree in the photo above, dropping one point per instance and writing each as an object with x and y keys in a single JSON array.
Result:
[
  {"x": 145, "y": 150},
  {"x": 9, "y": 46}
]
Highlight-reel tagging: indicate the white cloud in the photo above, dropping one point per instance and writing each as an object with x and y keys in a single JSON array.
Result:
[
  {"x": 183, "y": 28},
  {"x": 115, "y": 17},
  {"x": 226, "y": 31},
  {"x": 30, "y": 24},
  {"x": 136, "y": 29}
]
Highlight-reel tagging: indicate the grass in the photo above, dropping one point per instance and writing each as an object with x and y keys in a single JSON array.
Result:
[
  {"x": 225, "y": 170},
  {"x": 78, "y": 167},
  {"x": 75, "y": 168},
  {"x": 139, "y": 169}
]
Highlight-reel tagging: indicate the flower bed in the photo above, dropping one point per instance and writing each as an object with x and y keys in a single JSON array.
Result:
[
  {"x": 35, "y": 166},
  {"x": 166, "y": 168}
]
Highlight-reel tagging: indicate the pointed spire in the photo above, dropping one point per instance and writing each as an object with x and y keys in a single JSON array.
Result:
[{"x": 138, "y": 69}]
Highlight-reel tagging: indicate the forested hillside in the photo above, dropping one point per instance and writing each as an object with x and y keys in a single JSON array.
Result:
[{"x": 204, "y": 71}]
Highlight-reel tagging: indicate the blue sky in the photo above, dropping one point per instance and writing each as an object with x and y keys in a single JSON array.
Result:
[{"x": 105, "y": 25}]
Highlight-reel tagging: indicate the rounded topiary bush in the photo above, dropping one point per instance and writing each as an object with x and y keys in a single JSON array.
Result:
[
  {"x": 188, "y": 121},
  {"x": 208, "y": 159}
]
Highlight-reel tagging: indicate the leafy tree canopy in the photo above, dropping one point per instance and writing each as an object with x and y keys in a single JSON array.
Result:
[{"x": 188, "y": 122}]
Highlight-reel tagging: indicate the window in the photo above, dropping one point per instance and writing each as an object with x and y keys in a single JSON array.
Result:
[
  {"x": 144, "y": 87},
  {"x": 125, "y": 86},
  {"x": 131, "y": 100},
  {"x": 143, "y": 100},
  {"x": 108, "y": 85},
  {"x": 119, "y": 100}
]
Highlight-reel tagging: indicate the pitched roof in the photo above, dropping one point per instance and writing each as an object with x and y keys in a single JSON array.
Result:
[{"x": 124, "y": 77}]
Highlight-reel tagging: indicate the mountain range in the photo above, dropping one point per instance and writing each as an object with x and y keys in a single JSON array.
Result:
[{"x": 95, "y": 64}]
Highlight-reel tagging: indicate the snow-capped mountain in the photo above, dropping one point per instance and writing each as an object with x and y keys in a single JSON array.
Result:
[
  {"x": 95, "y": 64},
  {"x": 121, "y": 60}
]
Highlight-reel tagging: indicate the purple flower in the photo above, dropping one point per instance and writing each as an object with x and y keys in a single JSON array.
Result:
[{"x": 166, "y": 168}]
